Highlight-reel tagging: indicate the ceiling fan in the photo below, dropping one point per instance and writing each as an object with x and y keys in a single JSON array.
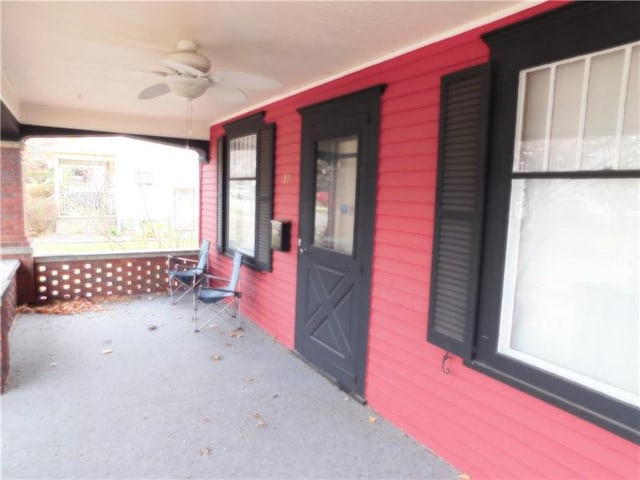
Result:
[{"x": 188, "y": 78}]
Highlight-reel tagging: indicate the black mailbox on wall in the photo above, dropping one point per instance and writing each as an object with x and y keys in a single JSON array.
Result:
[{"x": 281, "y": 235}]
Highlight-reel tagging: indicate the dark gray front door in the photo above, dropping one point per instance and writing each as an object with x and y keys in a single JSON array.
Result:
[{"x": 337, "y": 199}]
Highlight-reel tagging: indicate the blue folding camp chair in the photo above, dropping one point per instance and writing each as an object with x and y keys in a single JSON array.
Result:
[
  {"x": 220, "y": 298},
  {"x": 186, "y": 273}
]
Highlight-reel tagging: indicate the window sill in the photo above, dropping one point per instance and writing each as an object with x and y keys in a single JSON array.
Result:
[{"x": 629, "y": 431}]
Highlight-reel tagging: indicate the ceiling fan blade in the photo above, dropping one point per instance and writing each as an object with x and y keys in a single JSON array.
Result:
[
  {"x": 154, "y": 91},
  {"x": 246, "y": 81},
  {"x": 228, "y": 94}
]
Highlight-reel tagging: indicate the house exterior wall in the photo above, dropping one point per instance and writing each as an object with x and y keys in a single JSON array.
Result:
[{"x": 483, "y": 427}]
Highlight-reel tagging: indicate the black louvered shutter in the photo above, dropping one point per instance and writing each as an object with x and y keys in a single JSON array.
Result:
[
  {"x": 221, "y": 197},
  {"x": 459, "y": 209},
  {"x": 264, "y": 207}
]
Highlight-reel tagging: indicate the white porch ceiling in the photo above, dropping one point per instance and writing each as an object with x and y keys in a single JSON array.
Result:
[{"x": 82, "y": 64}]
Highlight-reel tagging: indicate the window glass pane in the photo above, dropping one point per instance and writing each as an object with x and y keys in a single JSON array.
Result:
[
  {"x": 565, "y": 121},
  {"x": 630, "y": 145},
  {"x": 336, "y": 169},
  {"x": 599, "y": 146},
  {"x": 594, "y": 123},
  {"x": 534, "y": 122},
  {"x": 571, "y": 301},
  {"x": 242, "y": 157},
  {"x": 242, "y": 216}
]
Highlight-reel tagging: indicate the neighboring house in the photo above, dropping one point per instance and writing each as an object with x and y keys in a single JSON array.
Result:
[
  {"x": 122, "y": 186},
  {"x": 466, "y": 219},
  {"x": 84, "y": 190}
]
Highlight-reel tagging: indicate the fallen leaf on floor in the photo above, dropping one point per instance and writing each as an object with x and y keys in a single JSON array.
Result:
[
  {"x": 261, "y": 423},
  {"x": 217, "y": 358},
  {"x": 237, "y": 333},
  {"x": 206, "y": 451},
  {"x": 464, "y": 476},
  {"x": 63, "y": 307},
  {"x": 372, "y": 419},
  {"x": 106, "y": 351},
  {"x": 249, "y": 379},
  {"x": 151, "y": 326}
]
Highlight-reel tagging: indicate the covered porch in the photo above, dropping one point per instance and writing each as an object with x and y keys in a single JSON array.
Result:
[{"x": 129, "y": 391}]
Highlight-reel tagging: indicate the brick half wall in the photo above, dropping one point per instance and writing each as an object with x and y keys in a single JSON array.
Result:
[
  {"x": 9, "y": 288},
  {"x": 105, "y": 275}
]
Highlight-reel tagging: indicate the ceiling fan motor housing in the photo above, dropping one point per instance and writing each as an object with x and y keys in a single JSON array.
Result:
[{"x": 187, "y": 60}]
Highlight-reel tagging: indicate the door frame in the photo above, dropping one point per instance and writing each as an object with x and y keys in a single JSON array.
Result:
[{"x": 319, "y": 119}]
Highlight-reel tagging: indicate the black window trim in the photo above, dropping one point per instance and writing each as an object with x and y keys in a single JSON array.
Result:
[
  {"x": 568, "y": 31},
  {"x": 265, "y": 150}
]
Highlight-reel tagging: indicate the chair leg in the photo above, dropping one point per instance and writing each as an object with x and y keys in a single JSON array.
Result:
[
  {"x": 188, "y": 288},
  {"x": 236, "y": 313},
  {"x": 181, "y": 296},
  {"x": 195, "y": 315},
  {"x": 219, "y": 310}
]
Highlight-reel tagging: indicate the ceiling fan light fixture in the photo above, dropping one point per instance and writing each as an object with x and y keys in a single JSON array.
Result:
[{"x": 188, "y": 87}]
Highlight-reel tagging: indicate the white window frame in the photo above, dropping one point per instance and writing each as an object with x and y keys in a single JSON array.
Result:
[
  {"x": 230, "y": 200},
  {"x": 513, "y": 232}
]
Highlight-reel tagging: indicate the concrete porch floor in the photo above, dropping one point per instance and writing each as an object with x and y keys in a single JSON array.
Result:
[{"x": 170, "y": 403}]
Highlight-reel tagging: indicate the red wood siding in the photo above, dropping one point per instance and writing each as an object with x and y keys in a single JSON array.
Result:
[{"x": 481, "y": 426}]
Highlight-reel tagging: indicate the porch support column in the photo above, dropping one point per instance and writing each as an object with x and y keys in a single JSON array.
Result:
[{"x": 14, "y": 243}]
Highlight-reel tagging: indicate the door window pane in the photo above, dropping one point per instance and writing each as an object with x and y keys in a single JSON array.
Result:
[{"x": 335, "y": 203}]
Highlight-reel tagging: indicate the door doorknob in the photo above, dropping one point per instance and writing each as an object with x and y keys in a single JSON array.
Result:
[{"x": 301, "y": 249}]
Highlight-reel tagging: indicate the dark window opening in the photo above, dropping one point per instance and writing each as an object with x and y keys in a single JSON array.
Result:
[{"x": 245, "y": 190}]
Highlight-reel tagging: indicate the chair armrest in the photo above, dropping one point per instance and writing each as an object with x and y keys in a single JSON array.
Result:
[
  {"x": 178, "y": 267},
  {"x": 207, "y": 278},
  {"x": 171, "y": 258},
  {"x": 180, "y": 263},
  {"x": 236, "y": 293}
]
